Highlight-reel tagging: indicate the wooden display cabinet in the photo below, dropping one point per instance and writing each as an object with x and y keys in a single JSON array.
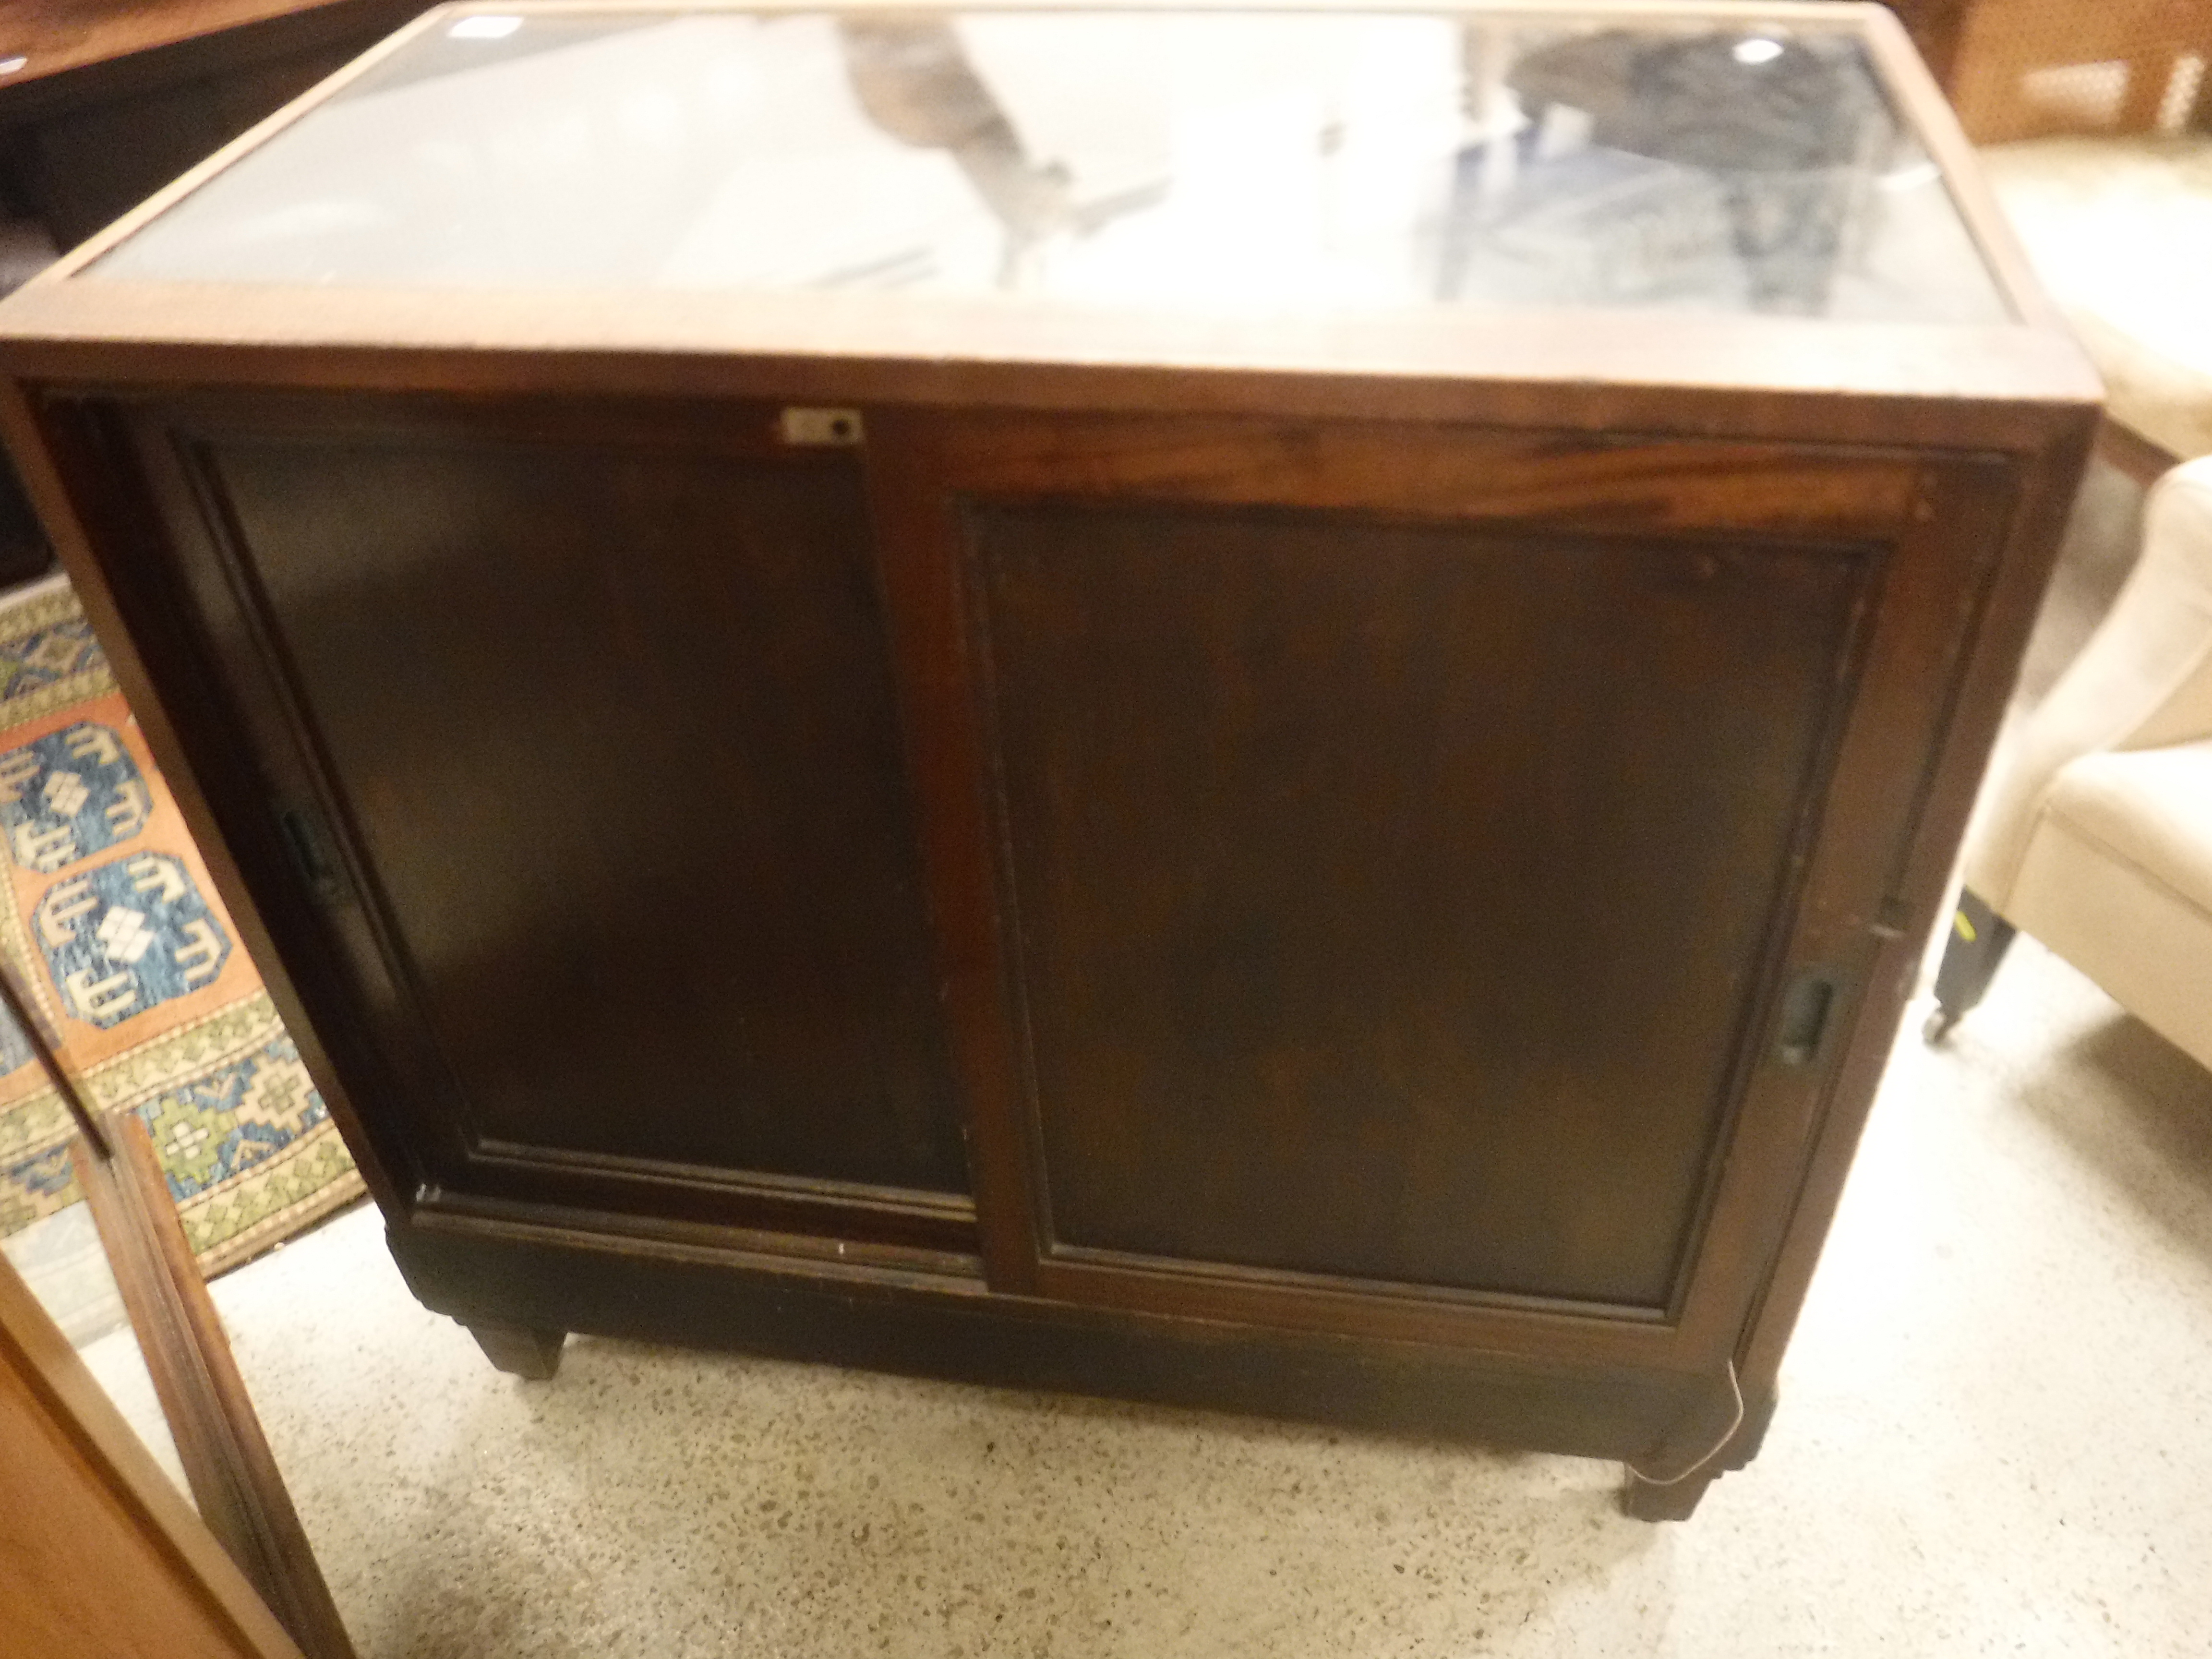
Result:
[{"x": 1251, "y": 709}]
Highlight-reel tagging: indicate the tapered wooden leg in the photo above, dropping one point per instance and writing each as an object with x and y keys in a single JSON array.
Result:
[
  {"x": 1691, "y": 1447},
  {"x": 520, "y": 1351},
  {"x": 1647, "y": 1500}
]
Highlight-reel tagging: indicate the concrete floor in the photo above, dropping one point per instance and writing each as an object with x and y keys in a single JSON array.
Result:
[{"x": 1996, "y": 1437}]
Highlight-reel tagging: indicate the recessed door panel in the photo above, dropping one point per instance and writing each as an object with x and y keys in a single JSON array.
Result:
[
  {"x": 609, "y": 726},
  {"x": 1390, "y": 902}
]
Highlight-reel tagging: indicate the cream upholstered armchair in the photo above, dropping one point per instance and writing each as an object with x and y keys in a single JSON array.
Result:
[{"x": 2096, "y": 833}]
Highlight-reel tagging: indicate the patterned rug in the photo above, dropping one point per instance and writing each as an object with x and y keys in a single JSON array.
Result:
[{"x": 110, "y": 921}]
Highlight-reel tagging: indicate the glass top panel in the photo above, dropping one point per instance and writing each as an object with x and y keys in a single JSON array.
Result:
[{"x": 1173, "y": 162}]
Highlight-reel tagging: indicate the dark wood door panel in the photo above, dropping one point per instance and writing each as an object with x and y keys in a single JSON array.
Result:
[
  {"x": 609, "y": 730},
  {"x": 1390, "y": 901}
]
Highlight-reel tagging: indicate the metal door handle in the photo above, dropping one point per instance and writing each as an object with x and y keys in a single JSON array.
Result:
[
  {"x": 309, "y": 844},
  {"x": 1808, "y": 1010}
]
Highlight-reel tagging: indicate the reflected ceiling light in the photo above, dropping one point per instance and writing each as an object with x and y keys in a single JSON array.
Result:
[
  {"x": 9, "y": 65},
  {"x": 1758, "y": 50},
  {"x": 484, "y": 28}
]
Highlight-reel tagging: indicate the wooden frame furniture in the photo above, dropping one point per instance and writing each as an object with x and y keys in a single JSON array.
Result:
[
  {"x": 232, "y": 1474},
  {"x": 183, "y": 1596},
  {"x": 100, "y": 1555},
  {"x": 1351, "y": 858},
  {"x": 2022, "y": 69}
]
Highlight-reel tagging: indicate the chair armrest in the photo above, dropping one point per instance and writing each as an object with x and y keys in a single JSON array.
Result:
[{"x": 2143, "y": 681}]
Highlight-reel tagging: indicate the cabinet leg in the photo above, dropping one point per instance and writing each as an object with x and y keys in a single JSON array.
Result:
[
  {"x": 1750, "y": 1411},
  {"x": 1979, "y": 938},
  {"x": 520, "y": 1351},
  {"x": 1647, "y": 1500}
]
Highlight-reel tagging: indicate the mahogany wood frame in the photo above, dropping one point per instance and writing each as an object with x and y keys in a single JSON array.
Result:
[
  {"x": 103, "y": 1556},
  {"x": 234, "y": 1477},
  {"x": 57, "y": 45},
  {"x": 1950, "y": 452}
]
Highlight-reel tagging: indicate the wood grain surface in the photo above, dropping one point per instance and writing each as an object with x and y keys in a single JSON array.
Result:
[
  {"x": 100, "y": 1557},
  {"x": 648, "y": 887},
  {"x": 235, "y": 1483}
]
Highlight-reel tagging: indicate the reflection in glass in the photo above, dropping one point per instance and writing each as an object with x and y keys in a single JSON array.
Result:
[
  {"x": 59, "y": 1258},
  {"x": 49, "y": 1241},
  {"x": 913, "y": 81},
  {"x": 1685, "y": 163},
  {"x": 1296, "y": 162}
]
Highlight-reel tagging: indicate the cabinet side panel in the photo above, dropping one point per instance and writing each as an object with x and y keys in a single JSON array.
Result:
[
  {"x": 610, "y": 729},
  {"x": 1391, "y": 900}
]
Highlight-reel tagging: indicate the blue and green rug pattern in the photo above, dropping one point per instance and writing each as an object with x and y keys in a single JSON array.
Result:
[{"x": 109, "y": 921}]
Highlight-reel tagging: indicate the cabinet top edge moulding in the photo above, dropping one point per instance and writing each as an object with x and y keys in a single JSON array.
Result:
[{"x": 1611, "y": 215}]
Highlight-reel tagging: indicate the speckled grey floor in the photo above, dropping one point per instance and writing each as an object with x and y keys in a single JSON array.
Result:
[{"x": 1996, "y": 1437}]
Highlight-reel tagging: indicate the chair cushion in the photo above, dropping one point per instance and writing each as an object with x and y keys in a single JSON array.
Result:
[
  {"x": 2150, "y": 806},
  {"x": 2120, "y": 231},
  {"x": 2117, "y": 879}
]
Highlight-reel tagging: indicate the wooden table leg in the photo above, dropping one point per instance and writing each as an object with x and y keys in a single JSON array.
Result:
[
  {"x": 520, "y": 1351},
  {"x": 1747, "y": 1414},
  {"x": 1647, "y": 1500}
]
